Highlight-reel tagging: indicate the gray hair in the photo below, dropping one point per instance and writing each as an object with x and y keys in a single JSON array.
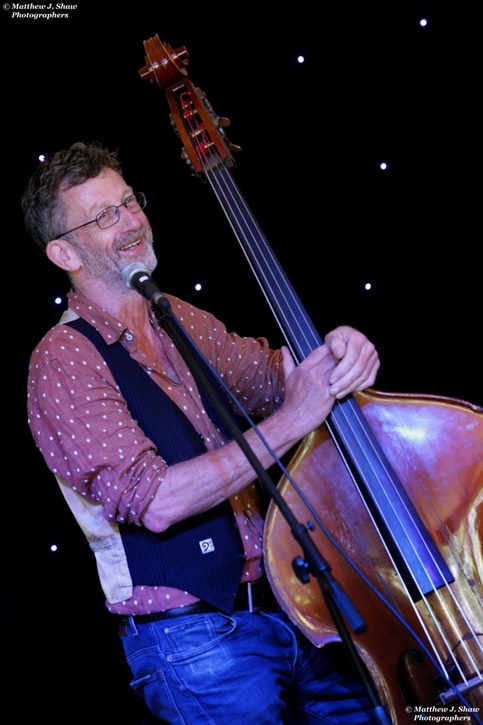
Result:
[{"x": 43, "y": 211}]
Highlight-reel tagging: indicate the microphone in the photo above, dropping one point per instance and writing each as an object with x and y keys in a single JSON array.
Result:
[{"x": 137, "y": 276}]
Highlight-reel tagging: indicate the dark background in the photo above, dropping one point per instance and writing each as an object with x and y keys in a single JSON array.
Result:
[{"x": 376, "y": 86}]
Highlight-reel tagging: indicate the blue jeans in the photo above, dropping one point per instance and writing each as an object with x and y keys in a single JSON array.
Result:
[{"x": 240, "y": 669}]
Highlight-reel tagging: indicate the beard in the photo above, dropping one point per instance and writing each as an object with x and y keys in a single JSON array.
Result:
[{"x": 108, "y": 267}]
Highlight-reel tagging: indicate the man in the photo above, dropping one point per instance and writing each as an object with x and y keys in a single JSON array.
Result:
[{"x": 167, "y": 501}]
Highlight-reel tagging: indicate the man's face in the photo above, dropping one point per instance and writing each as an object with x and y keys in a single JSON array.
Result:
[{"x": 103, "y": 253}]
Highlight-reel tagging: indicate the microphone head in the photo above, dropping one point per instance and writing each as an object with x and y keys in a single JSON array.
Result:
[{"x": 132, "y": 269}]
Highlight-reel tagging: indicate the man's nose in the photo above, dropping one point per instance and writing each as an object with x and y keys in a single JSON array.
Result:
[{"x": 129, "y": 219}]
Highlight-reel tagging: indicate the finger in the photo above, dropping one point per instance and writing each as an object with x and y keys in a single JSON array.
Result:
[
  {"x": 356, "y": 380},
  {"x": 337, "y": 343},
  {"x": 288, "y": 361},
  {"x": 359, "y": 355}
]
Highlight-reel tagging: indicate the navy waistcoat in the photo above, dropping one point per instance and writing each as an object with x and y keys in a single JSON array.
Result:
[{"x": 203, "y": 554}]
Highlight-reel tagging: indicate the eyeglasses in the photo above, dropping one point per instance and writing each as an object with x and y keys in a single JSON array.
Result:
[{"x": 110, "y": 215}]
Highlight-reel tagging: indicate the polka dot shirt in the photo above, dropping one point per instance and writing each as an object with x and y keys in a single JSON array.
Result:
[{"x": 82, "y": 426}]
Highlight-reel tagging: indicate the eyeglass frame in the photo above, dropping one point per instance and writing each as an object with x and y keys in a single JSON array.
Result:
[{"x": 112, "y": 206}]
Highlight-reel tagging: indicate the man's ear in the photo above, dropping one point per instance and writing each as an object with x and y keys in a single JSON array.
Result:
[{"x": 63, "y": 255}]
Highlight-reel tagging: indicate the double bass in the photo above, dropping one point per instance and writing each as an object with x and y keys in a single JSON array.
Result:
[{"x": 390, "y": 486}]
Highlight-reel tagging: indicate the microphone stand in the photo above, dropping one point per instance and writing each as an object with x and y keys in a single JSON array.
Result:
[{"x": 338, "y": 603}]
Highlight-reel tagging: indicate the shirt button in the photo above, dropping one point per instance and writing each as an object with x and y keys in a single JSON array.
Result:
[{"x": 128, "y": 336}]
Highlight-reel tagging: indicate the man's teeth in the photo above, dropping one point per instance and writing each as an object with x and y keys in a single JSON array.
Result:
[{"x": 129, "y": 246}]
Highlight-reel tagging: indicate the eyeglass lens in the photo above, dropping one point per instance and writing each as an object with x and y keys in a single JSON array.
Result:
[{"x": 109, "y": 216}]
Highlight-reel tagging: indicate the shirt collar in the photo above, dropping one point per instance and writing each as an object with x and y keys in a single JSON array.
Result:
[{"x": 108, "y": 326}]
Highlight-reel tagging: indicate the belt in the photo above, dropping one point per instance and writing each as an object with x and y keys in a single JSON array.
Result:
[{"x": 251, "y": 596}]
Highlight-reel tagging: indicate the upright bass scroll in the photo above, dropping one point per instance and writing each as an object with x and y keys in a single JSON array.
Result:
[
  {"x": 396, "y": 481},
  {"x": 200, "y": 148}
]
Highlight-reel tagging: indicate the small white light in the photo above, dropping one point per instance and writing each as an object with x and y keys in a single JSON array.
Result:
[
  {"x": 198, "y": 287},
  {"x": 300, "y": 59},
  {"x": 423, "y": 22},
  {"x": 368, "y": 286},
  {"x": 383, "y": 166}
]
